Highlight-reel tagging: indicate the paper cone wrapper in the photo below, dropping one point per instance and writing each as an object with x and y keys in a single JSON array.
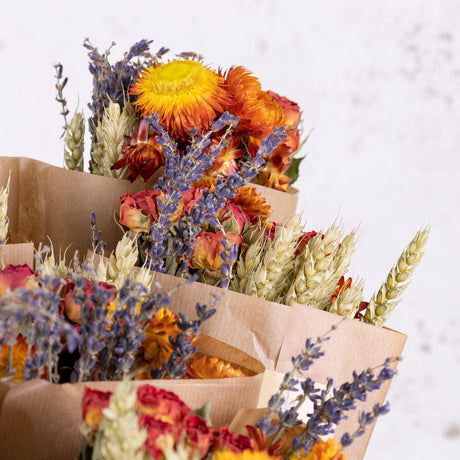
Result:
[
  {"x": 40, "y": 420},
  {"x": 47, "y": 202},
  {"x": 17, "y": 251}
]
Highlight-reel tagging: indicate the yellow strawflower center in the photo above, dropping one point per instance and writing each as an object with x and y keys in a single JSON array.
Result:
[
  {"x": 185, "y": 94},
  {"x": 177, "y": 77}
]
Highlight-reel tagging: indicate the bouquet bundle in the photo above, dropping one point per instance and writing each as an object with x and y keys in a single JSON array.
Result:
[{"x": 206, "y": 217}]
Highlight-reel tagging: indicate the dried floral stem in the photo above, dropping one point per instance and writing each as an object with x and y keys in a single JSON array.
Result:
[
  {"x": 116, "y": 123},
  {"x": 4, "y": 221},
  {"x": 386, "y": 299}
]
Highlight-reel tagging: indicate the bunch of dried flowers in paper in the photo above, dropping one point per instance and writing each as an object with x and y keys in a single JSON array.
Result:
[
  {"x": 166, "y": 427},
  {"x": 75, "y": 329},
  {"x": 188, "y": 97}
]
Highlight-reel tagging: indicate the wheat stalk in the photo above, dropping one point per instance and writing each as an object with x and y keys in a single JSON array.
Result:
[
  {"x": 247, "y": 263},
  {"x": 110, "y": 134},
  {"x": 278, "y": 260},
  {"x": 74, "y": 142},
  {"x": 322, "y": 263},
  {"x": 122, "y": 262},
  {"x": 4, "y": 221},
  {"x": 386, "y": 299}
]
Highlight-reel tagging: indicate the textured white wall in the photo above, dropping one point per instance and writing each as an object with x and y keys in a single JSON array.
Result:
[{"x": 379, "y": 84}]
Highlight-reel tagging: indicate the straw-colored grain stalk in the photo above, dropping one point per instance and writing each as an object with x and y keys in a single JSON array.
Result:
[{"x": 387, "y": 297}]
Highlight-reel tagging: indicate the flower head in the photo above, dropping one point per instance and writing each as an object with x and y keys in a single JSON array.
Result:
[
  {"x": 93, "y": 403},
  {"x": 184, "y": 93},
  {"x": 162, "y": 405},
  {"x": 14, "y": 276},
  {"x": 143, "y": 155},
  {"x": 322, "y": 450},
  {"x": 158, "y": 330},
  {"x": 19, "y": 359},
  {"x": 208, "y": 248},
  {"x": 138, "y": 210},
  {"x": 208, "y": 367}
]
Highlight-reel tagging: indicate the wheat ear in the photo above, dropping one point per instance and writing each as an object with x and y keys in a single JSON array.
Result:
[
  {"x": 4, "y": 221},
  {"x": 278, "y": 260},
  {"x": 322, "y": 263},
  {"x": 110, "y": 134},
  {"x": 386, "y": 299},
  {"x": 74, "y": 142}
]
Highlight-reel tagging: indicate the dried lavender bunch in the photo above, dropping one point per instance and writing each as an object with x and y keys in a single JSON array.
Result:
[
  {"x": 382, "y": 304},
  {"x": 331, "y": 404},
  {"x": 34, "y": 312},
  {"x": 112, "y": 82},
  {"x": 181, "y": 170}
]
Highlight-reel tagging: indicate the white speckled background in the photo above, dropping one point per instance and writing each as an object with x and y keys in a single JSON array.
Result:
[{"x": 379, "y": 84}]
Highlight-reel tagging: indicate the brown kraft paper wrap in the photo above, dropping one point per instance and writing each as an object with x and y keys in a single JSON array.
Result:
[
  {"x": 17, "y": 251},
  {"x": 40, "y": 420},
  {"x": 51, "y": 202}
]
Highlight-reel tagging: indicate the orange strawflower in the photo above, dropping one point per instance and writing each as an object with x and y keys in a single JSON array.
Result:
[
  {"x": 208, "y": 367},
  {"x": 156, "y": 345},
  {"x": 143, "y": 155},
  {"x": 225, "y": 162},
  {"x": 245, "y": 455},
  {"x": 19, "y": 359},
  {"x": 323, "y": 450},
  {"x": 185, "y": 94},
  {"x": 250, "y": 201}
]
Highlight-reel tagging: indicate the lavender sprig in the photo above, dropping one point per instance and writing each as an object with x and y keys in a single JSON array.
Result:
[
  {"x": 128, "y": 333},
  {"x": 329, "y": 409},
  {"x": 365, "y": 419},
  {"x": 95, "y": 329},
  {"x": 97, "y": 244},
  {"x": 60, "y": 95},
  {"x": 300, "y": 363}
]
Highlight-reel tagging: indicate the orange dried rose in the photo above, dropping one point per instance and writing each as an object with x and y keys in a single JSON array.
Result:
[
  {"x": 161, "y": 404},
  {"x": 207, "y": 249},
  {"x": 93, "y": 403}
]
